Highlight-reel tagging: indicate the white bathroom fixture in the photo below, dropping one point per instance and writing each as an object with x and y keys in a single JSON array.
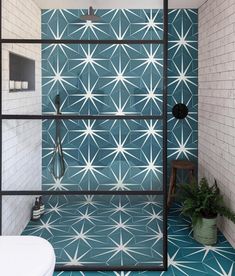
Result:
[{"x": 26, "y": 256}]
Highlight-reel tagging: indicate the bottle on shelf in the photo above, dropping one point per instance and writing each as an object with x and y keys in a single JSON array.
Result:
[
  {"x": 42, "y": 206},
  {"x": 36, "y": 213}
]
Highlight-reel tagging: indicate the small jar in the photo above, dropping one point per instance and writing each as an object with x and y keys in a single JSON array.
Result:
[
  {"x": 25, "y": 85},
  {"x": 12, "y": 85},
  {"x": 17, "y": 85}
]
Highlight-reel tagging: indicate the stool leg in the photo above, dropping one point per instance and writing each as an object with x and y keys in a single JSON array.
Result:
[
  {"x": 191, "y": 175},
  {"x": 174, "y": 182},
  {"x": 171, "y": 187}
]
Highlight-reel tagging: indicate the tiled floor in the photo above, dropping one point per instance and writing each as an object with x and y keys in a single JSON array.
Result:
[
  {"x": 125, "y": 230},
  {"x": 103, "y": 230}
]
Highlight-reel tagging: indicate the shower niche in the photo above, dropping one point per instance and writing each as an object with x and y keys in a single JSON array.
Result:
[{"x": 22, "y": 73}]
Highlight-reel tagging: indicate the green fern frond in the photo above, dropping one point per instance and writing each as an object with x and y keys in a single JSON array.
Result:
[{"x": 202, "y": 200}]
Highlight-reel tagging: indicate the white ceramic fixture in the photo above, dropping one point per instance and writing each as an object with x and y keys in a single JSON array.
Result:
[{"x": 26, "y": 256}]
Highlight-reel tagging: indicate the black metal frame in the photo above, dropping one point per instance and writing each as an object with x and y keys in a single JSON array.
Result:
[{"x": 163, "y": 117}]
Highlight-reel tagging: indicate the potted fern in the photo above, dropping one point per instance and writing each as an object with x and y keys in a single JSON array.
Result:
[{"x": 203, "y": 203}]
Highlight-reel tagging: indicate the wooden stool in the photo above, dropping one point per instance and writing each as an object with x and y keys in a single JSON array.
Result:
[{"x": 181, "y": 165}]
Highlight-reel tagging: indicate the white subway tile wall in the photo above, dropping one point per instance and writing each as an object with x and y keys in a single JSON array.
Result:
[
  {"x": 217, "y": 100},
  {"x": 21, "y": 139}
]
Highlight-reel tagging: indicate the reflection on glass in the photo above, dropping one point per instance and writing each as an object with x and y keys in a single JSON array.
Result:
[
  {"x": 105, "y": 155},
  {"x": 114, "y": 24},
  {"x": 103, "y": 79},
  {"x": 90, "y": 230}
]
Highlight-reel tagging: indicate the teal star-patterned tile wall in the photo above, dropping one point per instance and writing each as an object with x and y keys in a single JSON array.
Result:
[
  {"x": 183, "y": 83},
  {"x": 115, "y": 80}
]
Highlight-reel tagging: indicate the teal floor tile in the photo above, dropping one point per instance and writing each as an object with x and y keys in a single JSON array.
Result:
[{"x": 126, "y": 232}]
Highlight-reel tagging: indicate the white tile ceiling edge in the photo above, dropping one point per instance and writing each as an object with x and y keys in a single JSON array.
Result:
[{"x": 121, "y": 4}]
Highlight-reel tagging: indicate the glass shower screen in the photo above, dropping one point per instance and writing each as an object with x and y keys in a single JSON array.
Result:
[{"x": 90, "y": 137}]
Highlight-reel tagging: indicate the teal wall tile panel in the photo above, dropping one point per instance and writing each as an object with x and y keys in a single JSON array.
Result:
[{"x": 114, "y": 80}]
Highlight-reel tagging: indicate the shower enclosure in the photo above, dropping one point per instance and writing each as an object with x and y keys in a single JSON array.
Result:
[{"x": 104, "y": 138}]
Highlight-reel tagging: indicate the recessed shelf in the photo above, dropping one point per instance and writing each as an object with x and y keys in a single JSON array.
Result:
[{"x": 22, "y": 72}]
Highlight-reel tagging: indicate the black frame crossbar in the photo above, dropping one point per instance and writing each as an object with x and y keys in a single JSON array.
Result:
[
  {"x": 109, "y": 268},
  {"x": 76, "y": 41},
  {"x": 162, "y": 117},
  {"x": 85, "y": 192},
  {"x": 80, "y": 117}
]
